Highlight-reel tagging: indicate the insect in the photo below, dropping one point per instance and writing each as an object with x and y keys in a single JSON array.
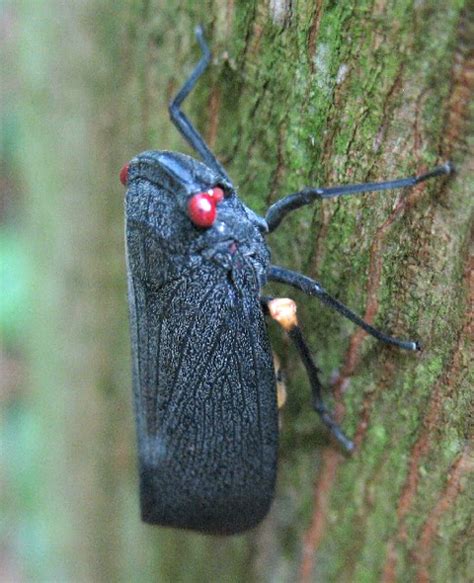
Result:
[{"x": 203, "y": 375}]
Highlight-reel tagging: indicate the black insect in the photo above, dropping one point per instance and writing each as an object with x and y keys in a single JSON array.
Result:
[{"x": 203, "y": 376}]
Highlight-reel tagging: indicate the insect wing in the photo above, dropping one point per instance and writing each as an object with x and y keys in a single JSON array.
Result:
[{"x": 205, "y": 402}]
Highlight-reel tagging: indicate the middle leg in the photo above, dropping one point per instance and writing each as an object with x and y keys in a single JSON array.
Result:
[{"x": 313, "y": 288}]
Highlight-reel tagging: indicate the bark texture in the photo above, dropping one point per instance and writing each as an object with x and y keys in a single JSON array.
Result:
[{"x": 300, "y": 93}]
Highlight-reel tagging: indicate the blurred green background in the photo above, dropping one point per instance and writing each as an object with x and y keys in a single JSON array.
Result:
[
  {"x": 68, "y": 484},
  {"x": 84, "y": 87}
]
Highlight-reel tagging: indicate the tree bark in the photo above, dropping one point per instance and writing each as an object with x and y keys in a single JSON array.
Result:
[{"x": 299, "y": 94}]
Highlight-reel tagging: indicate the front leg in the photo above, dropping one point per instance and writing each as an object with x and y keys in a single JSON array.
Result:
[
  {"x": 278, "y": 211},
  {"x": 180, "y": 120}
]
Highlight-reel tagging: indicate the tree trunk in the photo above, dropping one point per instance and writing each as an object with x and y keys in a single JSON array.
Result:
[{"x": 299, "y": 93}]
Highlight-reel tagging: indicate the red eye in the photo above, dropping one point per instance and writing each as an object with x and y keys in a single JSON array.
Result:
[
  {"x": 202, "y": 209},
  {"x": 217, "y": 193},
  {"x": 124, "y": 174}
]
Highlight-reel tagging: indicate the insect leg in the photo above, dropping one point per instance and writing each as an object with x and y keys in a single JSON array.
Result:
[
  {"x": 277, "y": 212},
  {"x": 283, "y": 310},
  {"x": 313, "y": 288},
  {"x": 185, "y": 127},
  {"x": 280, "y": 382}
]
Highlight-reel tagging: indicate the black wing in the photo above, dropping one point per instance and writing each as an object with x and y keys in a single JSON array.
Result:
[{"x": 205, "y": 403}]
